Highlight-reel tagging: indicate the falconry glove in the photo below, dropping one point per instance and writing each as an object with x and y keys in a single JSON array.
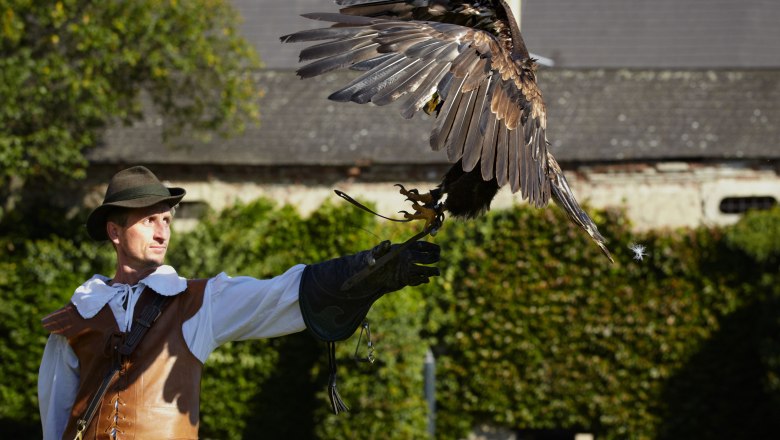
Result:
[{"x": 333, "y": 313}]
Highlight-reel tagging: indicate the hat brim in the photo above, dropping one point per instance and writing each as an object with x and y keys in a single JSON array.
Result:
[{"x": 96, "y": 222}]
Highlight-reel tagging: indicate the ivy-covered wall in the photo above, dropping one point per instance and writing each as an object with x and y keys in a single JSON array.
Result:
[{"x": 531, "y": 326}]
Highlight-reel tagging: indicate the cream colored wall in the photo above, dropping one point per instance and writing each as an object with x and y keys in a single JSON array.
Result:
[
  {"x": 664, "y": 195},
  {"x": 675, "y": 194}
]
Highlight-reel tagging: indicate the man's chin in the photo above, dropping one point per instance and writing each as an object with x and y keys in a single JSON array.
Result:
[{"x": 154, "y": 263}]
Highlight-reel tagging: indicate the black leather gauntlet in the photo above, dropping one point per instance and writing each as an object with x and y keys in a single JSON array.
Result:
[{"x": 333, "y": 314}]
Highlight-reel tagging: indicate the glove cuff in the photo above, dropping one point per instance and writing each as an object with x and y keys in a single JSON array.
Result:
[{"x": 330, "y": 313}]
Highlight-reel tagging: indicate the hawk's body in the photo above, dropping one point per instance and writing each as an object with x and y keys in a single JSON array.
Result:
[{"x": 466, "y": 62}]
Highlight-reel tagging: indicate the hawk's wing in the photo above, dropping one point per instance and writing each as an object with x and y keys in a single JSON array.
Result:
[
  {"x": 493, "y": 16},
  {"x": 491, "y": 112}
]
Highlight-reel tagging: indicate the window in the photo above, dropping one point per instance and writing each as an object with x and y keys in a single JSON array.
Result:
[{"x": 739, "y": 205}]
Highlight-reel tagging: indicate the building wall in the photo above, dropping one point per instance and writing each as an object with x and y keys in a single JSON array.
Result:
[
  {"x": 675, "y": 194},
  {"x": 654, "y": 195}
]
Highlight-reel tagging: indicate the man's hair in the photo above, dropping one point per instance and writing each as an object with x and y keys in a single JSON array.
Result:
[{"x": 118, "y": 215}]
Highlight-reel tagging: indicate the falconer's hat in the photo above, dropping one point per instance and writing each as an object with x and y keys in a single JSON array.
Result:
[{"x": 135, "y": 187}]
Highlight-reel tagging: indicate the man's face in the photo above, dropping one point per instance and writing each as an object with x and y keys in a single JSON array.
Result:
[{"x": 143, "y": 241}]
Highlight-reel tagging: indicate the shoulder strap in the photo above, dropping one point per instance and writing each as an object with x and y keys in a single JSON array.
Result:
[{"x": 143, "y": 322}]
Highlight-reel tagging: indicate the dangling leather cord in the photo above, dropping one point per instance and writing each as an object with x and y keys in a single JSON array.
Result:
[
  {"x": 346, "y": 197},
  {"x": 141, "y": 325},
  {"x": 336, "y": 403}
]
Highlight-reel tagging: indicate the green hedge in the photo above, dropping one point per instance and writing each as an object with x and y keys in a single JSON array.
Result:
[
  {"x": 533, "y": 329},
  {"x": 531, "y": 326},
  {"x": 37, "y": 276}
]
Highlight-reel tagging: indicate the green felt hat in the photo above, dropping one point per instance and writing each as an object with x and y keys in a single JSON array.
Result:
[{"x": 134, "y": 187}]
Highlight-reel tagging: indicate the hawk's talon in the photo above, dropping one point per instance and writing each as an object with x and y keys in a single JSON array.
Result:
[
  {"x": 413, "y": 195},
  {"x": 427, "y": 207}
]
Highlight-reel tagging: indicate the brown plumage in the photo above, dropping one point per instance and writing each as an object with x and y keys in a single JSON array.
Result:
[{"x": 466, "y": 62}]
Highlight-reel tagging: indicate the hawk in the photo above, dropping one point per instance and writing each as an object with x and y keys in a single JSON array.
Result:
[{"x": 466, "y": 63}]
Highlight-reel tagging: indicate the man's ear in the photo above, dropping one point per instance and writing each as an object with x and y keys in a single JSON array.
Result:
[{"x": 112, "y": 230}]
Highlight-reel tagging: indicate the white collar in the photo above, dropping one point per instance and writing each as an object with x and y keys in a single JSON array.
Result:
[{"x": 91, "y": 296}]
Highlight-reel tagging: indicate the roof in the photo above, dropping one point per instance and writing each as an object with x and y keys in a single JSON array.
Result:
[
  {"x": 656, "y": 34},
  {"x": 575, "y": 33},
  {"x": 594, "y": 115}
]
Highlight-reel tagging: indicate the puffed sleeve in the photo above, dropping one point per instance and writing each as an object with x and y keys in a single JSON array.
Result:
[
  {"x": 58, "y": 382},
  {"x": 239, "y": 308}
]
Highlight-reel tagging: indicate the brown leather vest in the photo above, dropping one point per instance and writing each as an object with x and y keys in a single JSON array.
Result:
[{"x": 157, "y": 392}]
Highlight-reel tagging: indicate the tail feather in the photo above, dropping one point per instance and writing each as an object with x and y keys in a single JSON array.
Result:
[{"x": 564, "y": 197}]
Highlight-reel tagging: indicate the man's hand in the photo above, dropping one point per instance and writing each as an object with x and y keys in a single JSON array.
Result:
[
  {"x": 333, "y": 313},
  {"x": 406, "y": 269}
]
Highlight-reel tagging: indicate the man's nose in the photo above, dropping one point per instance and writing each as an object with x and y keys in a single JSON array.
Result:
[{"x": 161, "y": 231}]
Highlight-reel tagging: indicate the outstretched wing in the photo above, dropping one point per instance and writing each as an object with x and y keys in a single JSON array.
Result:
[{"x": 489, "y": 110}]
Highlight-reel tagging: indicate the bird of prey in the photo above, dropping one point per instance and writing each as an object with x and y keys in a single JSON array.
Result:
[{"x": 466, "y": 63}]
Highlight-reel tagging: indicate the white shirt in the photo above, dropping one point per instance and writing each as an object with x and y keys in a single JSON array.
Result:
[{"x": 233, "y": 309}]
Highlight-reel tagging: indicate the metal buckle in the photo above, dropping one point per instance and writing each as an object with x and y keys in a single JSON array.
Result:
[
  {"x": 81, "y": 426},
  {"x": 370, "y": 350}
]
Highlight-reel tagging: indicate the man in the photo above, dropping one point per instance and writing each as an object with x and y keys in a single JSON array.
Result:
[{"x": 125, "y": 356}]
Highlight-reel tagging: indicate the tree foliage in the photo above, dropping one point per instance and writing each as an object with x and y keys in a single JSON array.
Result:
[{"x": 70, "y": 68}]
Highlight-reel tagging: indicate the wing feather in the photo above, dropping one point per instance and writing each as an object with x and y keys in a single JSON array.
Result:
[
  {"x": 564, "y": 197},
  {"x": 464, "y": 62},
  {"x": 423, "y": 93},
  {"x": 430, "y": 49},
  {"x": 408, "y": 82},
  {"x": 389, "y": 77},
  {"x": 514, "y": 170},
  {"x": 321, "y": 34},
  {"x": 444, "y": 85},
  {"x": 525, "y": 166},
  {"x": 441, "y": 129},
  {"x": 341, "y": 19},
  {"x": 488, "y": 158},
  {"x": 460, "y": 125},
  {"x": 502, "y": 155},
  {"x": 472, "y": 149},
  {"x": 336, "y": 47},
  {"x": 370, "y": 78},
  {"x": 369, "y": 64}
]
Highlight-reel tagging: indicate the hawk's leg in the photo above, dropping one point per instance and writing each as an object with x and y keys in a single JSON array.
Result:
[{"x": 426, "y": 207}]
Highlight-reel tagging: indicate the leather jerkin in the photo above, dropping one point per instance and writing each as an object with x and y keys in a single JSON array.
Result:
[{"x": 157, "y": 392}]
